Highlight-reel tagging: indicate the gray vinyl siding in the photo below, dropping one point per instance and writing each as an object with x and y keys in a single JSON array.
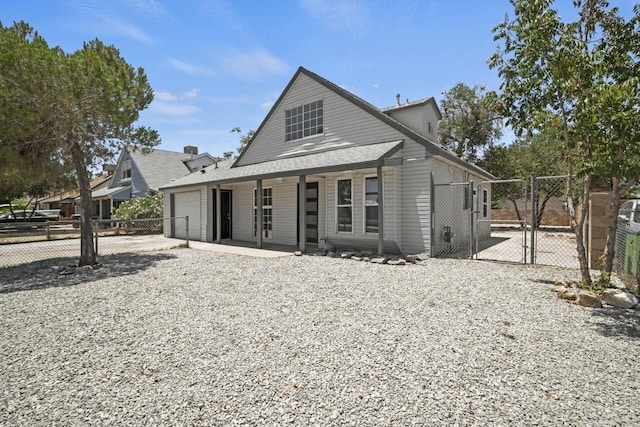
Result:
[
  {"x": 242, "y": 214},
  {"x": 139, "y": 186},
  {"x": 358, "y": 237},
  {"x": 415, "y": 200},
  {"x": 344, "y": 125}
]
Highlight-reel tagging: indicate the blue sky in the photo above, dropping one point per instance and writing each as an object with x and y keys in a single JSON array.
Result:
[{"x": 218, "y": 64}]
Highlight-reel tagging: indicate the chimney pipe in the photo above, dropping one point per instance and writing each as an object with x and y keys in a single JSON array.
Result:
[
  {"x": 190, "y": 149},
  {"x": 397, "y": 99}
]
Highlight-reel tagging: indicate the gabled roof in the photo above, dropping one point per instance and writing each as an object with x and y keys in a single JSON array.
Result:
[
  {"x": 358, "y": 157},
  {"x": 72, "y": 194},
  {"x": 418, "y": 103},
  {"x": 432, "y": 147},
  {"x": 158, "y": 167}
]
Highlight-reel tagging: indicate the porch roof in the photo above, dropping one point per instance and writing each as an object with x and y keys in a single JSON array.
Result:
[
  {"x": 111, "y": 193},
  {"x": 358, "y": 157}
]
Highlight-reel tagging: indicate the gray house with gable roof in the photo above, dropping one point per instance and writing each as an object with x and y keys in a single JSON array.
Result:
[
  {"x": 138, "y": 173},
  {"x": 326, "y": 167}
]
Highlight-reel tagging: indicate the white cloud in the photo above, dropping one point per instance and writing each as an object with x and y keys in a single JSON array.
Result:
[
  {"x": 193, "y": 93},
  {"x": 253, "y": 65},
  {"x": 267, "y": 104},
  {"x": 149, "y": 7},
  {"x": 174, "y": 109},
  {"x": 128, "y": 30},
  {"x": 376, "y": 85},
  {"x": 165, "y": 96},
  {"x": 194, "y": 70},
  {"x": 339, "y": 15}
]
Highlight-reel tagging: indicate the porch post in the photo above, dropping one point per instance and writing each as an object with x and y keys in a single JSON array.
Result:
[
  {"x": 218, "y": 223},
  {"x": 380, "y": 212},
  {"x": 259, "y": 214},
  {"x": 302, "y": 212}
]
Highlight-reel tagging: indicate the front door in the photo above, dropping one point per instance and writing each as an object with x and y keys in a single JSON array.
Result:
[
  {"x": 226, "y": 228},
  {"x": 311, "y": 212}
]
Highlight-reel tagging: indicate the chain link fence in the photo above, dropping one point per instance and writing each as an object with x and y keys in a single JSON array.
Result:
[
  {"x": 520, "y": 221},
  {"x": 502, "y": 216},
  {"x": 452, "y": 220},
  {"x": 22, "y": 243},
  {"x": 626, "y": 262}
]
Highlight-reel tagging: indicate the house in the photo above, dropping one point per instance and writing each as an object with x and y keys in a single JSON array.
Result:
[
  {"x": 330, "y": 169},
  {"x": 66, "y": 201},
  {"x": 138, "y": 173}
]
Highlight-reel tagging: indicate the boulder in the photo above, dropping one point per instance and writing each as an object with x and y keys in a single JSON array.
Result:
[
  {"x": 356, "y": 258},
  {"x": 559, "y": 289},
  {"x": 568, "y": 295},
  {"x": 381, "y": 260},
  {"x": 298, "y": 253},
  {"x": 411, "y": 258},
  {"x": 619, "y": 298},
  {"x": 346, "y": 255},
  {"x": 588, "y": 299},
  {"x": 331, "y": 254}
]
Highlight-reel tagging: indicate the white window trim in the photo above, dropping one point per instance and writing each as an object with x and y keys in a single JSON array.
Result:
[
  {"x": 344, "y": 206},
  {"x": 365, "y": 205},
  {"x": 485, "y": 203},
  {"x": 255, "y": 211},
  {"x": 310, "y": 136}
]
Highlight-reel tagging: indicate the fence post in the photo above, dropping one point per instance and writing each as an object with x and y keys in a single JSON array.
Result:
[
  {"x": 95, "y": 225},
  {"x": 534, "y": 220},
  {"x": 186, "y": 219},
  {"x": 470, "y": 204},
  {"x": 48, "y": 231}
]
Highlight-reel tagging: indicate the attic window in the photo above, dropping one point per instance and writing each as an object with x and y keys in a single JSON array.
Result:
[{"x": 303, "y": 121}]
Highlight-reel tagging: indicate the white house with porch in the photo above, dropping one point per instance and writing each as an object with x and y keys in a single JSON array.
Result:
[{"x": 326, "y": 167}]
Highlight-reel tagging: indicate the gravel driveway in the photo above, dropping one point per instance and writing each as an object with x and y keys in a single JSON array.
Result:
[{"x": 192, "y": 337}]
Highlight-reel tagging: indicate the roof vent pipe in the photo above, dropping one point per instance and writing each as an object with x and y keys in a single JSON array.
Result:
[{"x": 397, "y": 99}]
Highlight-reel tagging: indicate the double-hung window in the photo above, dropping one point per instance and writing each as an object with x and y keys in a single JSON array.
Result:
[
  {"x": 305, "y": 120},
  {"x": 344, "y": 206},
  {"x": 371, "y": 205},
  {"x": 267, "y": 213}
]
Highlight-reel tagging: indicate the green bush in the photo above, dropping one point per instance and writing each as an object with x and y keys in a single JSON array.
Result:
[{"x": 149, "y": 206}]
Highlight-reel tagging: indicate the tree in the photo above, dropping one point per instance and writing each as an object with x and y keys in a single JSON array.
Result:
[
  {"x": 244, "y": 139},
  {"x": 540, "y": 154},
  {"x": 81, "y": 106},
  {"x": 470, "y": 121},
  {"x": 580, "y": 77}
]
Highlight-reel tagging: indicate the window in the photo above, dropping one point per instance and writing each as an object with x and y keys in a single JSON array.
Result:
[
  {"x": 371, "y": 205},
  {"x": 126, "y": 170},
  {"x": 267, "y": 213},
  {"x": 344, "y": 206},
  {"x": 305, "y": 120},
  {"x": 485, "y": 203}
]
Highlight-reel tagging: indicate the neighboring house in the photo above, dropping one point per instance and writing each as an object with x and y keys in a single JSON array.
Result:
[
  {"x": 361, "y": 176},
  {"x": 138, "y": 173},
  {"x": 66, "y": 201}
]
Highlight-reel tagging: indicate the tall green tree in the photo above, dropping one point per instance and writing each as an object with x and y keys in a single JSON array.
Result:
[
  {"x": 540, "y": 154},
  {"x": 82, "y": 105},
  {"x": 470, "y": 122},
  {"x": 581, "y": 77},
  {"x": 244, "y": 139}
]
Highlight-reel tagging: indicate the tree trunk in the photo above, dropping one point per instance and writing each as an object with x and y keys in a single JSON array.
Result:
[
  {"x": 577, "y": 224},
  {"x": 540, "y": 210},
  {"x": 87, "y": 250},
  {"x": 515, "y": 206}
]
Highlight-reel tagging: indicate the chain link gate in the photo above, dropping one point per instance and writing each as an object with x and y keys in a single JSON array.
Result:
[
  {"x": 553, "y": 242},
  {"x": 452, "y": 220},
  {"x": 501, "y": 209}
]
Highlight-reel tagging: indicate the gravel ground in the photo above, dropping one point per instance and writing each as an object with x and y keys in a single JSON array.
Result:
[{"x": 188, "y": 337}]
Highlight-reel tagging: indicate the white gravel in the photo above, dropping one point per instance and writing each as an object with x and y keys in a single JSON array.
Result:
[{"x": 186, "y": 337}]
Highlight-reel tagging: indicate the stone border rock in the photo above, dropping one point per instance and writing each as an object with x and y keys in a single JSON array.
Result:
[{"x": 614, "y": 297}]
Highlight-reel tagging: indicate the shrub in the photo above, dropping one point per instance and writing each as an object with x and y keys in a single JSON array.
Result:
[{"x": 149, "y": 206}]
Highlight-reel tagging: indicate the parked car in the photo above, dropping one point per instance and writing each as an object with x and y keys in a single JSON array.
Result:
[
  {"x": 29, "y": 216},
  {"x": 629, "y": 216}
]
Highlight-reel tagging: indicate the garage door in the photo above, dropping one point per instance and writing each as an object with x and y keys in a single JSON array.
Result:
[{"x": 187, "y": 204}]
